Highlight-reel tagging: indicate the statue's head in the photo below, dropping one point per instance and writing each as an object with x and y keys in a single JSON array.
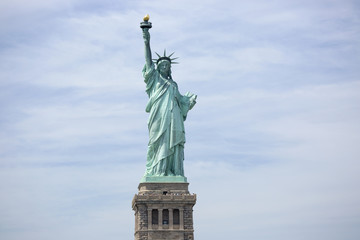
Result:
[
  {"x": 164, "y": 64},
  {"x": 164, "y": 67}
]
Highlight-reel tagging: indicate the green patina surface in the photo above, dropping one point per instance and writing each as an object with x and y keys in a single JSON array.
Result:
[
  {"x": 163, "y": 179},
  {"x": 167, "y": 109}
]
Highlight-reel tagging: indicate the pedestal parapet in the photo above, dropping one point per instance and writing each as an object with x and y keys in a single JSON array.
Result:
[{"x": 164, "y": 211}]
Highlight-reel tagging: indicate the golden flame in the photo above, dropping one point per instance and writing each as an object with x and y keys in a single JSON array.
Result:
[{"x": 147, "y": 17}]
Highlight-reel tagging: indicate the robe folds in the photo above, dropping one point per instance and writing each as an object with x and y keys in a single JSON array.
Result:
[{"x": 167, "y": 110}]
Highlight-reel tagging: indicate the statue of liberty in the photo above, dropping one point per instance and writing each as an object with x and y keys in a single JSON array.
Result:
[{"x": 167, "y": 110}]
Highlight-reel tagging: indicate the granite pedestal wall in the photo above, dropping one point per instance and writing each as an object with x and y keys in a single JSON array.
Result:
[{"x": 164, "y": 211}]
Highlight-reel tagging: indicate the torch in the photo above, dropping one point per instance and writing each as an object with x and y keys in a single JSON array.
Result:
[{"x": 146, "y": 24}]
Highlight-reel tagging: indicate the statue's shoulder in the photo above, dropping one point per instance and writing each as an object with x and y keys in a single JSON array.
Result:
[{"x": 149, "y": 72}]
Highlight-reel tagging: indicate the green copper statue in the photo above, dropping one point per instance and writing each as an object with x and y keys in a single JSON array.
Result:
[{"x": 168, "y": 110}]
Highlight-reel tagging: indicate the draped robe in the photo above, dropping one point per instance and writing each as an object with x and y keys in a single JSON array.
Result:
[{"x": 167, "y": 110}]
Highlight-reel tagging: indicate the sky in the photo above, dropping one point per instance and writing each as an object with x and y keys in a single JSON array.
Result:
[{"x": 272, "y": 147}]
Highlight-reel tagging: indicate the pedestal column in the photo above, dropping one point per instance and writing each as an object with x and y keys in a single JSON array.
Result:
[
  {"x": 149, "y": 211},
  {"x": 160, "y": 219},
  {"x": 181, "y": 218},
  {"x": 171, "y": 218}
]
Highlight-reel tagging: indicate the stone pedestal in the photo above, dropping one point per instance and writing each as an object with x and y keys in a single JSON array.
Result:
[{"x": 163, "y": 211}]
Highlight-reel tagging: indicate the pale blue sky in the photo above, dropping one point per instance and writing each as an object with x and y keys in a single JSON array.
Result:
[{"x": 272, "y": 145}]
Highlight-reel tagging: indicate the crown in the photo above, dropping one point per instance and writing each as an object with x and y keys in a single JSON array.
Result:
[{"x": 168, "y": 58}]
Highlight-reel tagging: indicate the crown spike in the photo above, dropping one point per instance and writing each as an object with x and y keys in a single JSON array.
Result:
[
  {"x": 167, "y": 58},
  {"x": 171, "y": 55}
]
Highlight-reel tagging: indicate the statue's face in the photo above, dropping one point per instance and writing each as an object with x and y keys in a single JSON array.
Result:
[{"x": 164, "y": 68}]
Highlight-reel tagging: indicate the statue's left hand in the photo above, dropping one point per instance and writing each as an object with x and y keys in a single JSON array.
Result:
[{"x": 192, "y": 99}]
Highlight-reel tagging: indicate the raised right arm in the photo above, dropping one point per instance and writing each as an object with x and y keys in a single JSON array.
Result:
[{"x": 148, "y": 58}]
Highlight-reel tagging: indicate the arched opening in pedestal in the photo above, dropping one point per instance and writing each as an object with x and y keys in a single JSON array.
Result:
[
  {"x": 176, "y": 217},
  {"x": 155, "y": 217},
  {"x": 165, "y": 217}
]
